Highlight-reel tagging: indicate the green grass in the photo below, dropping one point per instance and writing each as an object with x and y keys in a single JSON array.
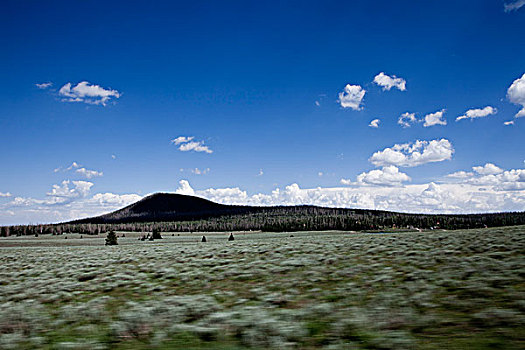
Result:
[{"x": 413, "y": 290}]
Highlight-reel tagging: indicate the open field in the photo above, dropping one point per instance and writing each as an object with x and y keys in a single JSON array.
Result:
[{"x": 429, "y": 290}]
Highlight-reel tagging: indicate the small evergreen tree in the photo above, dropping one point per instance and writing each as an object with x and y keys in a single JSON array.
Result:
[
  {"x": 203, "y": 239},
  {"x": 111, "y": 239},
  {"x": 155, "y": 234}
]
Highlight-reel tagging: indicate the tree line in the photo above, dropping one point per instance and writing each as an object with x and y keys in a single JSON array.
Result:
[{"x": 278, "y": 219}]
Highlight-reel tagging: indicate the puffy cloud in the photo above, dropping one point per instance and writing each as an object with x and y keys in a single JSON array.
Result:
[
  {"x": 435, "y": 119},
  {"x": 5, "y": 194},
  {"x": 388, "y": 176},
  {"x": 407, "y": 119},
  {"x": 89, "y": 173},
  {"x": 182, "y": 139},
  {"x": 419, "y": 198},
  {"x": 513, "y": 6},
  {"x": 460, "y": 175},
  {"x": 482, "y": 193},
  {"x": 61, "y": 194},
  {"x": 87, "y": 93},
  {"x": 374, "y": 123},
  {"x": 185, "y": 188},
  {"x": 388, "y": 82},
  {"x": 186, "y": 144},
  {"x": 414, "y": 154},
  {"x": 352, "y": 96},
  {"x": 510, "y": 122},
  {"x": 73, "y": 165},
  {"x": 487, "y": 169},
  {"x": 195, "y": 146},
  {"x": 68, "y": 200},
  {"x": 496, "y": 178},
  {"x": 113, "y": 200},
  {"x": 44, "y": 86},
  {"x": 516, "y": 94},
  {"x": 477, "y": 113}
]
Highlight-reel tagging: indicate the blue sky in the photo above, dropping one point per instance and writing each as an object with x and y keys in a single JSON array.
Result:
[{"x": 261, "y": 86}]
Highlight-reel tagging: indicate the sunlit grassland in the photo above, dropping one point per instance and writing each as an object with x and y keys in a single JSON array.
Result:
[{"x": 427, "y": 290}]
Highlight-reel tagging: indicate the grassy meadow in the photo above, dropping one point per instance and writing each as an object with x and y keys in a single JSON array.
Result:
[{"x": 336, "y": 290}]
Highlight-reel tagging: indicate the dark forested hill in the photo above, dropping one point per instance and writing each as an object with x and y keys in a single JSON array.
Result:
[
  {"x": 166, "y": 207},
  {"x": 173, "y": 212}
]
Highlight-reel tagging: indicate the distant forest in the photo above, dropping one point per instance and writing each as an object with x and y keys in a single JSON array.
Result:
[{"x": 272, "y": 219}]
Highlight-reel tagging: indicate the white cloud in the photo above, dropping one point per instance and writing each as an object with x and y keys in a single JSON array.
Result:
[
  {"x": 418, "y": 198},
  {"x": 195, "y": 146},
  {"x": 261, "y": 172},
  {"x": 113, "y": 156},
  {"x": 510, "y": 122},
  {"x": 73, "y": 165},
  {"x": 114, "y": 200},
  {"x": 44, "y": 86},
  {"x": 388, "y": 176},
  {"x": 477, "y": 113},
  {"x": 512, "y": 6},
  {"x": 352, "y": 96},
  {"x": 414, "y": 154},
  {"x": 480, "y": 193},
  {"x": 496, "y": 178},
  {"x": 516, "y": 94},
  {"x": 87, "y": 93},
  {"x": 89, "y": 173},
  {"x": 186, "y": 144},
  {"x": 5, "y": 194},
  {"x": 487, "y": 169},
  {"x": 185, "y": 188},
  {"x": 61, "y": 194},
  {"x": 460, "y": 175},
  {"x": 182, "y": 139},
  {"x": 388, "y": 82},
  {"x": 374, "y": 123},
  {"x": 435, "y": 119},
  {"x": 198, "y": 171},
  {"x": 407, "y": 119},
  {"x": 347, "y": 182},
  {"x": 68, "y": 201}
]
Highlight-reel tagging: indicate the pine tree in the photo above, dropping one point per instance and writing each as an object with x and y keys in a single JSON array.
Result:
[
  {"x": 111, "y": 239},
  {"x": 156, "y": 234}
]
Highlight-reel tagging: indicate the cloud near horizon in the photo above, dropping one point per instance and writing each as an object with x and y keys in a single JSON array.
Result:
[{"x": 381, "y": 189}]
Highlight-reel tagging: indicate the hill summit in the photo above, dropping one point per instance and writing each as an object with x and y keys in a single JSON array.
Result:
[{"x": 167, "y": 207}]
